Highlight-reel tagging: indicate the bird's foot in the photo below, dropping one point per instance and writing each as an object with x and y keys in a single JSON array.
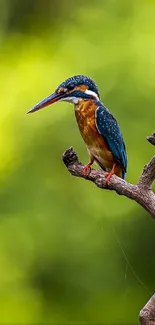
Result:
[
  {"x": 87, "y": 169},
  {"x": 110, "y": 174}
]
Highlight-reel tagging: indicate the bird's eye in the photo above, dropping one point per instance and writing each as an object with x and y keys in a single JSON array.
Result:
[{"x": 70, "y": 87}]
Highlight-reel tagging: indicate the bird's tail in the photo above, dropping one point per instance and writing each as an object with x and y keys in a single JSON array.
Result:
[{"x": 123, "y": 174}]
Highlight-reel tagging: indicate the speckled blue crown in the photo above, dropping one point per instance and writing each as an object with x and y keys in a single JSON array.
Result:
[{"x": 80, "y": 80}]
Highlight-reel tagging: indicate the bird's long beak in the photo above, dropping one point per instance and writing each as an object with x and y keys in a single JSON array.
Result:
[{"x": 46, "y": 102}]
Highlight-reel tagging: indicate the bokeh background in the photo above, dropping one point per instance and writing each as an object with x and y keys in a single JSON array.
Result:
[{"x": 69, "y": 252}]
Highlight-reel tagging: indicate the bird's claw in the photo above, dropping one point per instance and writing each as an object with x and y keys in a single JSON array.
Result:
[
  {"x": 108, "y": 178},
  {"x": 86, "y": 170},
  {"x": 110, "y": 174}
]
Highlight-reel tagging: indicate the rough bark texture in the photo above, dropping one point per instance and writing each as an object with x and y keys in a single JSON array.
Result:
[
  {"x": 142, "y": 193},
  {"x": 147, "y": 314}
]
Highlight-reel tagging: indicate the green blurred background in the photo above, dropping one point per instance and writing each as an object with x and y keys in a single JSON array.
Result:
[{"x": 69, "y": 252}]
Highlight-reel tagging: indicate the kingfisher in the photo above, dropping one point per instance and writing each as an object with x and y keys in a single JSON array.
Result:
[{"x": 98, "y": 127}]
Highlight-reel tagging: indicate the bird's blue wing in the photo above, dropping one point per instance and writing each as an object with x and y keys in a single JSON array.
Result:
[{"x": 110, "y": 130}]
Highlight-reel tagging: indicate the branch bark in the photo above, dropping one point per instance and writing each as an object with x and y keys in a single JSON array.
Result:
[
  {"x": 147, "y": 314},
  {"x": 141, "y": 192}
]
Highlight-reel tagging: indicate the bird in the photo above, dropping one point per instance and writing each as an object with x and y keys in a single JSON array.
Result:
[{"x": 98, "y": 127}]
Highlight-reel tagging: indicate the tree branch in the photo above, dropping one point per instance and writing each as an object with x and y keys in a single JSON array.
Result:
[
  {"x": 147, "y": 314},
  {"x": 141, "y": 193}
]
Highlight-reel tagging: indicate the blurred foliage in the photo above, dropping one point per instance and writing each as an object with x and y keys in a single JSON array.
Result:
[{"x": 69, "y": 252}]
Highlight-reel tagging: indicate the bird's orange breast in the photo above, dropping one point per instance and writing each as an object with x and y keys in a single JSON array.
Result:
[
  {"x": 96, "y": 144},
  {"x": 85, "y": 115}
]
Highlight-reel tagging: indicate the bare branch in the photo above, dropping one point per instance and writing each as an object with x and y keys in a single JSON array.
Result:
[
  {"x": 151, "y": 139},
  {"x": 148, "y": 175},
  {"x": 141, "y": 193},
  {"x": 147, "y": 314}
]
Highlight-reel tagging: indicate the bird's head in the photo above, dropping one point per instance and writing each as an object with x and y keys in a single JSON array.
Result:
[{"x": 71, "y": 90}]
